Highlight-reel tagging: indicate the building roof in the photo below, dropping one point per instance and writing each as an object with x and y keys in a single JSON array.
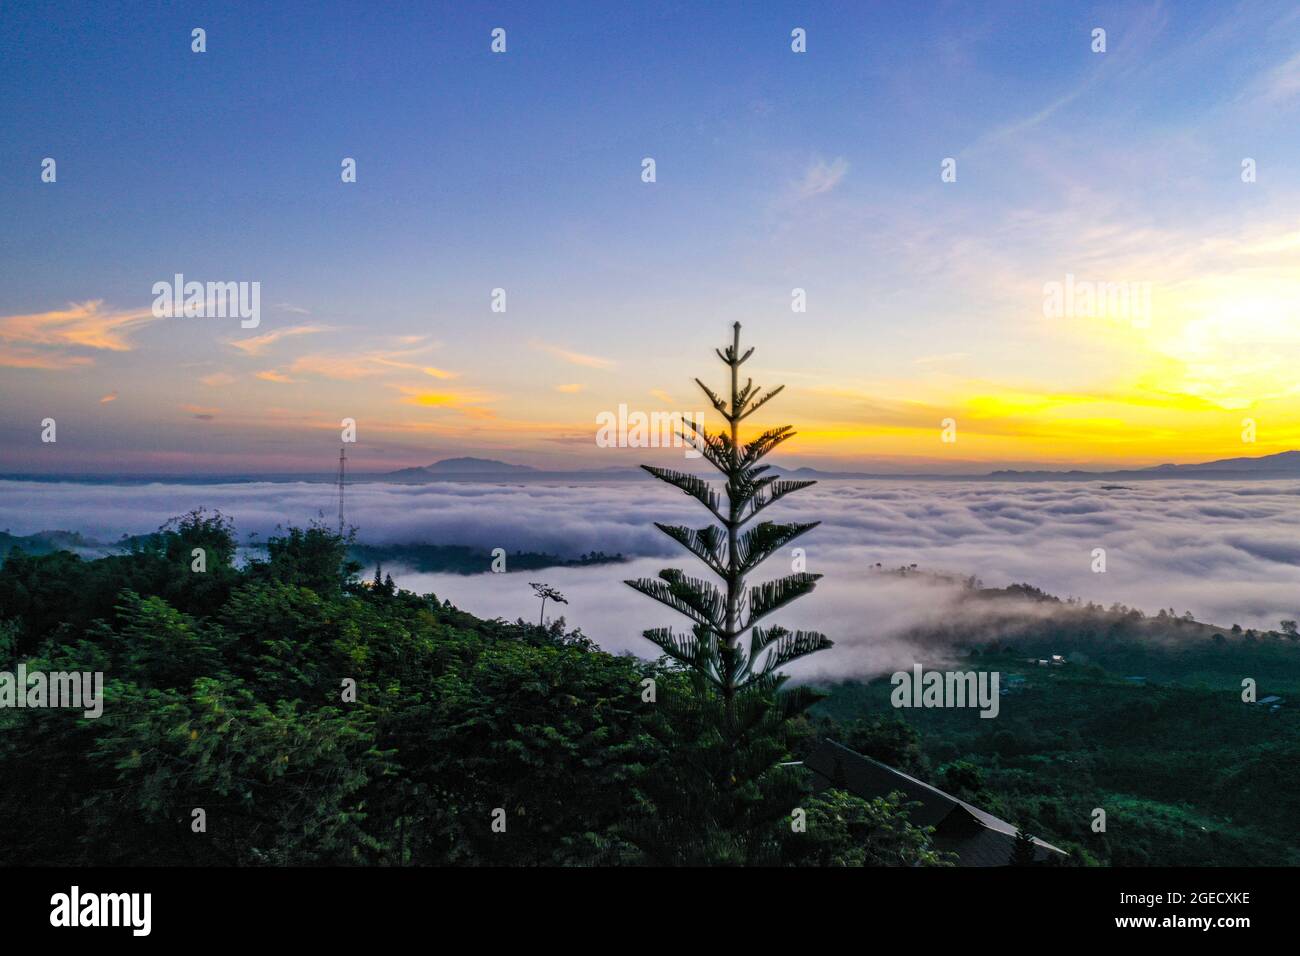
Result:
[{"x": 978, "y": 838}]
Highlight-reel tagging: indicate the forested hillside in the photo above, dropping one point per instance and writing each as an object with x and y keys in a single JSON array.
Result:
[
  {"x": 227, "y": 691},
  {"x": 1141, "y": 716}
]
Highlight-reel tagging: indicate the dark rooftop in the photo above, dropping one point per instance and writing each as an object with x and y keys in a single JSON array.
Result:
[{"x": 976, "y": 837}]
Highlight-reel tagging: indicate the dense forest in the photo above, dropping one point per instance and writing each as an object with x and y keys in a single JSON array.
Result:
[
  {"x": 425, "y": 558},
  {"x": 227, "y": 691},
  {"x": 1106, "y": 707},
  {"x": 461, "y": 559},
  {"x": 279, "y": 710}
]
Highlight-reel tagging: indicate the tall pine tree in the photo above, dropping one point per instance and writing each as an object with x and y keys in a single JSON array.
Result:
[
  {"x": 721, "y": 618},
  {"x": 732, "y": 734}
]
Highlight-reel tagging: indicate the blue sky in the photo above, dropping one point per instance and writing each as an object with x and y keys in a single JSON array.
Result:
[{"x": 775, "y": 170}]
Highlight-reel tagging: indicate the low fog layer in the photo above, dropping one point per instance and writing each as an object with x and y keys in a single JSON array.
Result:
[{"x": 1229, "y": 552}]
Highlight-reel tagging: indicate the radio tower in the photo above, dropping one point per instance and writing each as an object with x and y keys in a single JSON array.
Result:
[{"x": 342, "y": 460}]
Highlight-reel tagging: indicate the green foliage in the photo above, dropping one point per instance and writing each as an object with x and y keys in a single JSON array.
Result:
[
  {"x": 162, "y": 647},
  {"x": 1079, "y": 737},
  {"x": 715, "y": 792},
  {"x": 888, "y": 739},
  {"x": 59, "y": 592},
  {"x": 962, "y": 779},
  {"x": 238, "y": 711},
  {"x": 313, "y": 557},
  {"x": 279, "y": 783},
  {"x": 517, "y": 728},
  {"x": 229, "y": 699},
  {"x": 460, "y": 559},
  {"x": 845, "y": 830}
]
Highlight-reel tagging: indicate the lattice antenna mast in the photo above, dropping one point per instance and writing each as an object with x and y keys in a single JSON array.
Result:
[{"x": 342, "y": 462}]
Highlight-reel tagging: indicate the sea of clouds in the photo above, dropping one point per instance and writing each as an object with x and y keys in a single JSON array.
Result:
[{"x": 1229, "y": 552}]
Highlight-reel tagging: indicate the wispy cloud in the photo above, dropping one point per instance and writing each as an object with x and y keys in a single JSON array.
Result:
[
  {"x": 18, "y": 357},
  {"x": 821, "y": 177},
  {"x": 110, "y": 397},
  {"x": 572, "y": 389},
  {"x": 1281, "y": 83},
  {"x": 257, "y": 344},
  {"x": 340, "y": 367},
  {"x": 375, "y": 363},
  {"x": 577, "y": 358},
  {"x": 54, "y": 339},
  {"x": 1026, "y": 123},
  {"x": 389, "y": 362}
]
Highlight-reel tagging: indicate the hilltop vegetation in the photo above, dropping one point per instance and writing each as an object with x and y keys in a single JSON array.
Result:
[
  {"x": 45, "y": 542},
  {"x": 461, "y": 559},
  {"x": 224, "y": 692},
  {"x": 1145, "y": 721},
  {"x": 227, "y": 692},
  {"x": 425, "y": 558}
]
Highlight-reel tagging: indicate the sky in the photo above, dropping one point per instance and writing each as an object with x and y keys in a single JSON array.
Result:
[{"x": 927, "y": 301}]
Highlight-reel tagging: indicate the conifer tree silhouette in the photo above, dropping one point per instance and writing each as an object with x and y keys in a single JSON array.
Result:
[
  {"x": 721, "y": 618},
  {"x": 546, "y": 592},
  {"x": 724, "y": 786}
]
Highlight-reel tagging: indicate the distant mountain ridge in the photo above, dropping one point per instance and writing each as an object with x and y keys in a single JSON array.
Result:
[
  {"x": 1282, "y": 461},
  {"x": 460, "y": 467},
  {"x": 1280, "y": 465},
  {"x": 1284, "y": 464},
  {"x": 490, "y": 469}
]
